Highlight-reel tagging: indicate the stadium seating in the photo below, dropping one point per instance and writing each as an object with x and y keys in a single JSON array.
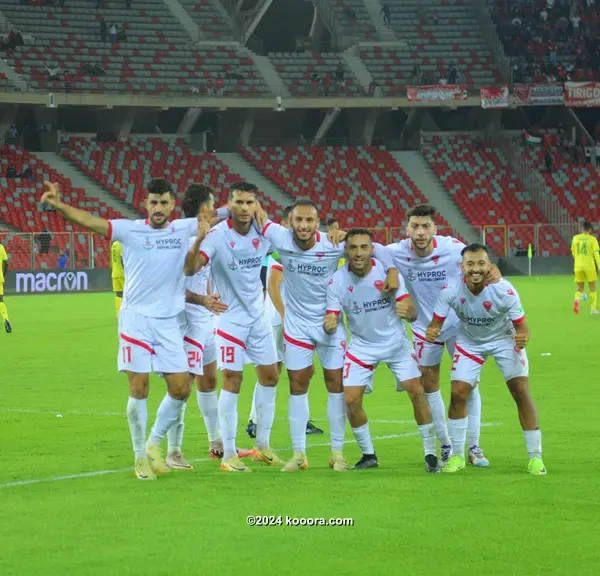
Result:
[
  {"x": 352, "y": 19},
  {"x": 124, "y": 168},
  {"x": 455, "y": 38},
  {"x": 20, "y": 208},
  {"x": 576, "y": 186},
  {"x": 210, "y": 20},
  {"x": 157, "y": 57},
  {"x": 298, "y": 69},
  {"x": 356, "y": 186},
  {"x": 482, "y": 185}
]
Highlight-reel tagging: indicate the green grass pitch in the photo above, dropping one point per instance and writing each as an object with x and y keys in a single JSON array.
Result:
[{"x": 61, "y": 359}]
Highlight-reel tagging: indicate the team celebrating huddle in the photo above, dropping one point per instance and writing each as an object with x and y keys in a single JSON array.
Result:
[{"x": 193, "y": 301}]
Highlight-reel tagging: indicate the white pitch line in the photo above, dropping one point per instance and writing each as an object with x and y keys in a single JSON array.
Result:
[{"x": 94, "y": 473}]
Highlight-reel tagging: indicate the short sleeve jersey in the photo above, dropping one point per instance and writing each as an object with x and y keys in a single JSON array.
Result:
[
  {"x": 153, "y": 260},
  {"x": 306, "y": 273},
  {"x": 485, "y": 317},
  {"x": 371, "y": 314},
  {"x": 236, "y": 261},
  {"x": 425, "y": 277}
]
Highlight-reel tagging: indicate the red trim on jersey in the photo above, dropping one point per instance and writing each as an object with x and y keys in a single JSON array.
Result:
[
  {"x": 440, "y": 318},
  {"x": 359, "y": 362},
  {"x": 229, "y": 223},
  {"x": 205, "y": 256},
  {"x": 264, "y": 230},
  {"x": 277, "y": 267},
  {"x": 519, "y": 320},
  {"x": 298, "y": 343},
  {"x": 138, "y": 343},
  {"x": 110, "y": 231},
  {"x": 336, "y": 312},
  {"x": 403, "y": 297},
  {"x": 147, "y": 222},
  {"x": 423, "y": 339},
  {"x": 477, "y": 359},
  {"x": 193, "y": 343},
  {"x": 230, "y": 338},
  {"x": 318, "y": 236}
]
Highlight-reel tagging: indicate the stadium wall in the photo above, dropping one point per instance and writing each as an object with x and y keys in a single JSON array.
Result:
[
  {"x": 58, "y": 281},
  {"x": 553, "y": 265}
]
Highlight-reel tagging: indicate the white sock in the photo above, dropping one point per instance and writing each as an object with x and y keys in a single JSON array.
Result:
[
  {"x": 175, "y": 432},
  {"x": 336, "y": 413},
  {"x": 253, "y": 416},
  {"x": 438, "y": 414},
  {"x": 265, "y": 414},
  {"x": 208, "y": 402},
  {"x": 228, "y": 420},
  {"x": 137, "y": 416},
  {"x": 298, "y": 414},
  {"x": 427, "y": 432},
  {"x": 533, "y": 439},
  {"x": 167, "y": 415},
  {"x": 363, "y": 439},
  {"x": 474, "y": 417},
  {"x": 458, "y": 434}
]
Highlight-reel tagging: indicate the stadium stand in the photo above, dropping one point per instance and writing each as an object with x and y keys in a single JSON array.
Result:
[
  {"x": 20, "y": 208},
  {"x": 436, "y": 34},
  {"x": 156, "y": 58},
  {"x": 353, "y": 19},
  {"x": 356, "y": 186},
  {"x": 315, "y": 74},
  {"x": 482, "y": 185},
  {"x": 211, "y": 22},
  {"x": 124, "y": 168}
]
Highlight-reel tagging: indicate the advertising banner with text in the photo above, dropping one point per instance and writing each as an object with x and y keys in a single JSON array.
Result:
[
  {"x": 494, "y": 97},
  {"x": 437, "y": 93},
  {"x": 538, "y": 94},
  {"x": 57, "y": 281},
  {"x": 582, "y": 94}
]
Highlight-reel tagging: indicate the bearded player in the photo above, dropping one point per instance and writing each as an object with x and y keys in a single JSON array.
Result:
[
  {"x": 428, "y": 262},
  {"x": 492, "y": 323}
]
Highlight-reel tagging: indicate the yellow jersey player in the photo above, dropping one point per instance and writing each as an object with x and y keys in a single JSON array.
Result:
[
  {"x": 3, "y": 270},
  {"x": 117, "y": 273},
  {"x": 586, "y": 254}
]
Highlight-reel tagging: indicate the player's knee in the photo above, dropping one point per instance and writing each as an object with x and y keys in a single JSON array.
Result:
[
  {"x": 413, "y": 387},
  {"x": 459, "y": 395},
  {"x": 232, "y": 381},
  {"x": 138, "y": 386},
  {"x": 334, "y": 381},
  {"x": 353, "y": 402},
  {"x": 519, "y": 388},
  {"x": 430, "y": 379},
  {"x": 299, "y": 380}
]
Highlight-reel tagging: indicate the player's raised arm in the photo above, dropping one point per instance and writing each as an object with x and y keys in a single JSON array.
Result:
[
  {"x": 334, "y": 309},
  {"x": 197, "y": 256},
  {"x": 273, "y": 232},
  {"x": 51, "y": 196},
  {"x": 274, "y": 288}
]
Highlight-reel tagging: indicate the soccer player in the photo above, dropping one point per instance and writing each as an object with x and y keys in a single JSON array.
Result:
[
  {"x": 428, "y": 262},
  {"x": 586, "y": 254},
  {"x": 154, "y": 297},
  {"x": 309, "y": 260},
  {"x": 377, "y": 335},
  {"x": 492, "y": 323},
  {"x": 117, "y": 273},
  {"x": 236, "y": 251},
  {"x": 3, "y": 271}
]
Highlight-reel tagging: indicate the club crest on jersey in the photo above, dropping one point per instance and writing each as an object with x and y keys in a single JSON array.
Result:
[
  {"x": 487, "y": 305},
  {"x": 444, "y": 286},
  {"x": 378, "y": 284},
  {"x": 330, "y": 282},
  {"x": 148, "y": 244},
  {"x": 510, "y": 292},
  {"x": 344, "y": 345},
  {"x": 255, "y": 243},
  {"x": 320, "y": 255},
  {"x": 356, "y": 309},
  {"x": 232, "y": 244},
  {"x": 232, "y": 265},
  {"x": 350, "y": 289},
  {"x": 435, "y": 259},
  {"x": 408, "y": 258},
  {"x": 462, "y": 300}
]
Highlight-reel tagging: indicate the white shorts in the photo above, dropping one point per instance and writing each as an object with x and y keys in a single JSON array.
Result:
[
  {"x": 150, "y": 344},
  {"x": 238, "y": 345},
  {"x": 301, "y": 341},
  {"x": 199, "y": 345},
  {"x": 278, "y": 337},
  {"x": 361, "y": 361},
  {"x": 431, "y": 353},
  {"x": 469, "y": 358}
]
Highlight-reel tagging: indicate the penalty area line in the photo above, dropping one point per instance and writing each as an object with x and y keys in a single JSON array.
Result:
[{"x": 109, "y": 472}]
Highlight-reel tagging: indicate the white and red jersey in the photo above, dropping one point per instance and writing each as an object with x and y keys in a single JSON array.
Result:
[
  {"x": 371, "y": 314},
  {"x": 425, "y": 277},
  {"x": 198, "y": 284},
  {"x": 236, "y": 261},
  {"x": 306, "y": 273},
  {"x": 271, "y": 313},
  {"x": 485, "y": 317},
  {"x": 153, "y": 260}
]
